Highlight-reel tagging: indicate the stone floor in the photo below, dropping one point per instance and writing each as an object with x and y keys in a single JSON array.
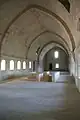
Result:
[{"x": 21, "y": 100}]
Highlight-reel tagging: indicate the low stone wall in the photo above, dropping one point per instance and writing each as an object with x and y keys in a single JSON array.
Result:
[{"x": 4, "y": 75}]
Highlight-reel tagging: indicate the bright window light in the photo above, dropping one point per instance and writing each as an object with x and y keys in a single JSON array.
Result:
[
  {"x": 24, "y": 65},
  {"x": 3, "y": 65},
  {"x": 56, "y": 54},
  {"x": 48, "y": 73},
  {"x": 11, "y": 65},
  {"x": 30, "y": 65},
  {"x": 18, "y": 65},
  {"x": 57, "y": 65}
]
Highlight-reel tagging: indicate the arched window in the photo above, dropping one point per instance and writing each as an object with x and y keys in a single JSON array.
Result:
[
  {"x": 18, "y": 65},
  {"x": 57, "y": 65},
  {"x": 12, "y": 65},
  {"x": 24, "y": 65},
  {"x": 30, "y": 64},
  {"x": 56, "y": 54},
  {"x": 3, "y": 65}
]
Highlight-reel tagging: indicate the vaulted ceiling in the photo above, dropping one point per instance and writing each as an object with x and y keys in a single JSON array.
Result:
[{"x": 27, "y": 25}]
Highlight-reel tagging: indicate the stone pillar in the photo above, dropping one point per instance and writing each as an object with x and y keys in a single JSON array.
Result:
[
  {"x": 15, "y": 65},
  {"x": 7, "y": 64},
  {"x": 21, "y": 64},
  {"x": 36, "y": 66},
  {"x": 40, "y": 66}
]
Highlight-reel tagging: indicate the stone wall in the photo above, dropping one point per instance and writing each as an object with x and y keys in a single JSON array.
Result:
[
  {"x": 62, "y": 60},
  {"x": 14, "y": 73}
]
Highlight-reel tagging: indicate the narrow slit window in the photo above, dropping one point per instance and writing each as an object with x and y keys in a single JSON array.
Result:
[
  {"x": 3, "y": 65},
  {"x": 24, "y": 65},
  {"x": 12, "y": 65},
  {"x": 18, "y": 65},
  {"x": 56, "y": 54},
  {"x": 30, "y": 65},
  {"x": 78, "y": 25},
  {"x": 57, "y": 65}
]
